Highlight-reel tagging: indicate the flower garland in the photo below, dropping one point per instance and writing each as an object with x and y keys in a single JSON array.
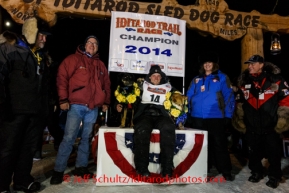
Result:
[
  {"x": 128, "y": 98},
  {"x": 173, "y": 110}
]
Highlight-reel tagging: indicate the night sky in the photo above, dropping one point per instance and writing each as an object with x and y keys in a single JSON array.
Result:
[{"x": 69, "y": 32}]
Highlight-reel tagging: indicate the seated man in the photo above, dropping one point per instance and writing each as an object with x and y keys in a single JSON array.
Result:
[{"x": 151, "y": 114}]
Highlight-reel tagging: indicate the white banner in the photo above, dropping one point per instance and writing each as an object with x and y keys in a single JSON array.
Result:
[{"x": 138, "y": 41}]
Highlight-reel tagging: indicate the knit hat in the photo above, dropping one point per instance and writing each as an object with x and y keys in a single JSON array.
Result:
[
  {"x": 208, "y": 57},
  {"x": 91, "y": 36},
  {"x": 156, "y": 69}
]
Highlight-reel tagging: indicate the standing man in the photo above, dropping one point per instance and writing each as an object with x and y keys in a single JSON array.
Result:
[
  {"x": 151, "y": 114},
  {"x": 83, "y": 86},
  {"x": 22, "y": 66},
  {"x": 262, "y": 114}
]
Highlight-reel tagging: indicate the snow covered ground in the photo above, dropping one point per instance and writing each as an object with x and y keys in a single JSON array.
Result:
[{"x": 240, "y": 184}]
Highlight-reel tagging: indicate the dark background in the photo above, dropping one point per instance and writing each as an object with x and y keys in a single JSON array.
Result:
[{"x": 69, "y": 32}]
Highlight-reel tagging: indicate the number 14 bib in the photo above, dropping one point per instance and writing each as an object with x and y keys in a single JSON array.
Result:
[{"x": 155, "y": 94}]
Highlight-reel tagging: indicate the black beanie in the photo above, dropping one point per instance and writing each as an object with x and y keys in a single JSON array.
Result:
[
  {"x": 156, "y": 69},
  {"x": 91, "y": 36},
  {"x": 208, "y": 57}
]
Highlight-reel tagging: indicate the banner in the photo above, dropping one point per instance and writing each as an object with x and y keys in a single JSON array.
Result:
[
  {"x": 115, "y": 158},
  {"x": 139, "y": 41}
]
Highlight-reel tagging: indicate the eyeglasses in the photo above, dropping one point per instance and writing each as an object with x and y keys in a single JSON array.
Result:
[{"x": 94, "y": 43}]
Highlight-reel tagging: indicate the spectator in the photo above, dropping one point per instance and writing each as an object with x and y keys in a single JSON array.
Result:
[
  {"x": 211, "y": 106},
  {"x": 22, "y": 69},
  {"x": 262, "y": 114},
  {"x": 83, "y": 86}
]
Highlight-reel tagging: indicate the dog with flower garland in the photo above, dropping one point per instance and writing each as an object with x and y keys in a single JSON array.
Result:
[
  {"x": 127, "y": 95},
  {"x": 176, "y": 105}
]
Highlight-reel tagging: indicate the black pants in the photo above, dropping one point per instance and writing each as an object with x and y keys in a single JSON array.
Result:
[
  {"x": 143, "y": 127},
  {"x": 18, "y": 143},
  {"x": 52, "y": 123},
  {"x": 218, "y": 154},
  {"x": 264, "y": 146}
]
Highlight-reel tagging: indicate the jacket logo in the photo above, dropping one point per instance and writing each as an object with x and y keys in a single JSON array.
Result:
[
  {"x": 286, "y": 92},
  {"x": 246, "y": 94}
]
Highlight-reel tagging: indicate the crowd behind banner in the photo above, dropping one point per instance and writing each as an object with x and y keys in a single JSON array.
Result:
[{"x": 70, "y": 99}]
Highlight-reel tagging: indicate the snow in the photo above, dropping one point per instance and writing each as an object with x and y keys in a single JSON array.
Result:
[{"x": 240, "y": 184}]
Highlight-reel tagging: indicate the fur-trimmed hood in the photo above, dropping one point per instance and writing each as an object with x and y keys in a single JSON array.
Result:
[{"x": 269, "y": 68}]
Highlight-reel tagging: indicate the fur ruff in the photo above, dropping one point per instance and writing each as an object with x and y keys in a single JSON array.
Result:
[
  {"x": 283, "y": 119},
  {"x": 268, "y": 68},
  {"x": 237, "y": 120},
  {"x": 29, "y": 30}
]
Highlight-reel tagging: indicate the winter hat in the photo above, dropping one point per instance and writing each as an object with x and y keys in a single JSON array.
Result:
[
  {"x": 208, "y": 57},
  {"x": 255, "y": 58},
  {"x": 32, "y": 26},
  {"x": 91, "y": 36},
  {"x": 156, "y": 69},
  {"x": 43, "y": 27},
  {"x": 29, "y": 30}
]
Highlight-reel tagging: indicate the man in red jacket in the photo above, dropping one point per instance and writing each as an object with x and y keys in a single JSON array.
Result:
[{"x": 83, "y": 86}]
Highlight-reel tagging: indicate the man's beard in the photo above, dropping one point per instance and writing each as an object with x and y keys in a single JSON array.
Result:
[{"x": 41, "y": 45}]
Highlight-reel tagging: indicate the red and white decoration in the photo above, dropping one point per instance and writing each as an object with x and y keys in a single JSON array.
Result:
[{"x": 115, "y": 165}]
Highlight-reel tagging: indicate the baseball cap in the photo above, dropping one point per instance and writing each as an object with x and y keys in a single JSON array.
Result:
[{"x": 255, "y": 58}]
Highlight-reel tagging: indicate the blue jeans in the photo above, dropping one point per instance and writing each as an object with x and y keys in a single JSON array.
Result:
[{"x": 75, "y": 115}]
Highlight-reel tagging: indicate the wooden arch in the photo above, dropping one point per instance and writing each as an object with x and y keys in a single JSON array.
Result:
[{"x": 210, "y": 17}]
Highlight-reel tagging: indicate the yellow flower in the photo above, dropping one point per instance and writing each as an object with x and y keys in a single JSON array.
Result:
[
  {"x": 120, "y": 98},
  {"x": 124, "y": 97},
  {"x": 186, "y": 109},
  {"x": 116, "y": 93},
  {"x": 131, "y": 98},
  {"x": 167, "y": 104},
  {"x": 168, "y": 95},
  {"x": 175, "y": 112},
  {"x": 137, "y": 91}
]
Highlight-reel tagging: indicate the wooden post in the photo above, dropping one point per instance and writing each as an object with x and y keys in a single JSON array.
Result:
[
  {"x": 1, "y": 21},
  {"x": 252, "y": 43}
]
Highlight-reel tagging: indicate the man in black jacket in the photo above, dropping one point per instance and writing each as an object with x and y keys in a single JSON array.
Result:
[
  {"x": 22, "y": 68},
  {"x": 262, "y": 114},
  {"x": 151, "y": 114}
]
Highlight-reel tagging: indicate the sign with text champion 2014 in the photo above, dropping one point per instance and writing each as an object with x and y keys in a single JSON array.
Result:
[{"x": 139, "y": 41}]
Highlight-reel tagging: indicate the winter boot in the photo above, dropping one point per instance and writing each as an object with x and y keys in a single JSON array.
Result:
[
  {"x": 57, "y": 178},
  {"x": 82, "y": 172}
]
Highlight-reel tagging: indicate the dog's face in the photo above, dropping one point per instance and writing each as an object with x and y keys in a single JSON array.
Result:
[
  {"x": 126, "y": 79},
  {"x": 178, "y": 100}
]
